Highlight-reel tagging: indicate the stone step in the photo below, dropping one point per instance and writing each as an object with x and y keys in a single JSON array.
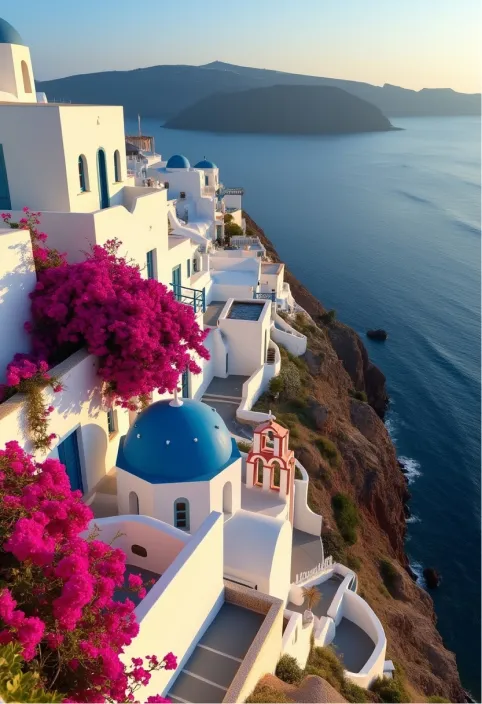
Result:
[{"x": 215, "y": 397}]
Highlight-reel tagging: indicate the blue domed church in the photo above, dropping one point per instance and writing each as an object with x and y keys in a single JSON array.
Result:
[{"x": 178, "y": 463}]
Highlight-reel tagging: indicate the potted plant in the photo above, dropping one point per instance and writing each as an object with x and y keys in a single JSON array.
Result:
[{"x": 312, "y": 597}]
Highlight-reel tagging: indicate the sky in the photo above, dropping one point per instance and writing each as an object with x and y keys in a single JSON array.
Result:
[{"x": 411, "y": 43}]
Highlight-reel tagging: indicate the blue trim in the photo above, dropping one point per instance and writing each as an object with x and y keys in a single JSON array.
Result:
[
  {"x": 104, "y": 199},
  {"x": 82, "y": 169},
  {"x": 151, "y": 274},
  {"x": 182, "y": 518},
  {"x": 69, "y": 456},
  {"x": 5, "y": 202},
  {"x": 117, "y": 165}
]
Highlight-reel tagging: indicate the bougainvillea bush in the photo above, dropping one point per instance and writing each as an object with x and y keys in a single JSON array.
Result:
[
  {"x": 44, "y": 257},
  {"x": 142, "y": 336},
  {"x": 57, "y": 588}
]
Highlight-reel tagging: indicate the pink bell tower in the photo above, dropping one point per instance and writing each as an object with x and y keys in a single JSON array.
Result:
[{"x": 270, "y": 464}]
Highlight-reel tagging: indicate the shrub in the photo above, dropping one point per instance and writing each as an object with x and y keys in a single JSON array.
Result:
[
  {"x": 333, "y": 544},
  {"x": 325, "y": 663},
  {"x": 17, "y": 685},
  {"x": 276, "y": 385},
  {"x": 388, "y": 573},
  {"x": 437, "y": 700},
  {"x": 231, "y": 229},
  {"x": 244, "y": 446},
  {"x": 143, "y": 337},
  {"x": 57, "y": 588},
  {"x": 291, "y": 380},
  {"x": 353, "y": 562},
  {"x": 346, "y": 517},
  {"x": 329, "y": 317},
  {"x": 390, "y": 690},
  {"x": 288, "y": 670},
  {"x": 228, "y": 218},
  {"x": 359, "y": 395},
  {"x": 298, "y": 474},
  {"x": 354, "y": 693},
  {"x": 263, "y": 694},
  {"x": 328, "y": 450}
]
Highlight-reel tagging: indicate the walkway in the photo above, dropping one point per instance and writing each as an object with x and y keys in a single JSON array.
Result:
[
  {"x": 306, "y": 554},
  {"x": 327, "y": 590},
  {"x": 224, "y": 395},
  {"x": 208, "y": 673},
  {"x": 213, "y": 311},
  {"x": 353, "y": 646}
]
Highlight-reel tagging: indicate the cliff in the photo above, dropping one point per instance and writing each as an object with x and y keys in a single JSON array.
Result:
[
  {"x": 345, "y": 447},
  {"x": 283, "y": 110}
]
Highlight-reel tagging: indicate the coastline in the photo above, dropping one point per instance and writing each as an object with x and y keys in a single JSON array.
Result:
[{"x": 418, "y": 640}]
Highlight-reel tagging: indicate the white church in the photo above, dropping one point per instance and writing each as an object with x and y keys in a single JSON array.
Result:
[{"x": 228, "y": 536}]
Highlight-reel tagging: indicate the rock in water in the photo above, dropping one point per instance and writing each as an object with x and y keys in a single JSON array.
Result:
[
  {"x": 377, "y": 334},
  {"x": 432, "y": 577}
]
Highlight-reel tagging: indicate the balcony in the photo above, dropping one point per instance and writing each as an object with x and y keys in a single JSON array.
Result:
[{"x": 191, "y": 297}]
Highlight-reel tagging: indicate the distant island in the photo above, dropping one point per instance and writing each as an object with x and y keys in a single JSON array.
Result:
[
  {"x": 164, "y": 91},
  {"x": 283, "y": 110}
]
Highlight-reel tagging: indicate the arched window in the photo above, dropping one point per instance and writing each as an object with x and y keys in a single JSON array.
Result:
[
  {"x": 117, "y": 166},
  {"x": 228, "y": 498},
  {"x": 258, "y": 472},
  {"x": 83, "y": 173},
  {"x": 133, "y": 504},
  {"x": 181, "y": 514},
  {"x": 275, "y": 476},
  {"x": 27, "y": 85}
]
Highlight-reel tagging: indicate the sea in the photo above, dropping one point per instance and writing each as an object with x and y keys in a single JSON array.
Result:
[{"x": 385, "y": 229}]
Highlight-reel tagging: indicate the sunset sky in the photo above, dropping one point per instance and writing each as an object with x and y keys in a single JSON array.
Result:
[{"x": 413, "y": 43}]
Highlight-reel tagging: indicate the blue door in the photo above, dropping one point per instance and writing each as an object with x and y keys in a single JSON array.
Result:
[
  {"x": 69, "y": 456},
  {"x": 5, "y": 203},
  {"x": 185, "y": 384},
  {"x": 102, "y": 175},
  {"x": 176, "y": 282}
]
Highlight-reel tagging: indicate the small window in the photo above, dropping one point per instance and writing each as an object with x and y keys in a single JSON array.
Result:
[
  {"x": 181, "y": 514},
  {"x": 206, "y": 180},
  {"x": 275, "y": 476},
  {"x": 82, "y": 173},
  {"x": 166, "y": 184},
  {"x": 188, "y": 268},
  {"x": 151, "y": 269},
  {"x": 27, "y": 85},
  {"x": 117, "y": 166},
  {"x": 139, "y": 550},
  {"x": 182, "y": 195},
  {"x": 111, "y": 422}
]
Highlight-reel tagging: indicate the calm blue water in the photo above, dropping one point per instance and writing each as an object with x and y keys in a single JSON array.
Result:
[{"x": 385, "y": 228}]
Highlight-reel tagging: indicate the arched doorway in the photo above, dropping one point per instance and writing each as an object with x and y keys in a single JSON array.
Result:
[
  {"x": 228, "y": 498},
  {"x": 133, "y": 504},
  {"x": 102, "y": 175}
]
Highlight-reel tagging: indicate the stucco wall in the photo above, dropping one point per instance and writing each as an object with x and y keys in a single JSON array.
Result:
[
  {"x": 77, "y": 408},
  {"x": 17, "y": 280},
  {"x": 304, "y": 518},
  {"x": 181, "y": 605},
  {"x": 247, "y": 340},
  {"x": 162, "y": 542},
  {"x": 297, "y": 637},
  {"x": 11, "y": 78}
]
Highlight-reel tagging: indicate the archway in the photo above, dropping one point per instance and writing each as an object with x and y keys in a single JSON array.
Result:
[
  {"x": 133, "y": 504},
  {"x": 275, "y": 475},
  {"x": 228, "y": 498},
  {"x": 258, "y": 472},
  {"x": 27, "y": 85}
]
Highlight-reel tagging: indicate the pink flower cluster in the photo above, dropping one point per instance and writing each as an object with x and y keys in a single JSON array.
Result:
[
  {"x": 142, "y": 336},
  {"x": 43, "y": 256},
  {"x": 21, "y": 368},
  {"x": 60, "y": 594}
]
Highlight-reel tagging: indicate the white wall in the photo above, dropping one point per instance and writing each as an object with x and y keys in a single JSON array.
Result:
[
  {"x": 296, "y": 637},
  {"x": 247, "y": 340},
  {"x": 290, "y": 338},
  {"x": 77, "y": 408},
  {"x": 11, "y": 76},
  {"x": 162, "y": 542},
  {"x": 17, "y": 280},
  {"x": 181, "y": 605},
  {"x": 304, "y": 518},
  {"x": 157, "y": 500}
]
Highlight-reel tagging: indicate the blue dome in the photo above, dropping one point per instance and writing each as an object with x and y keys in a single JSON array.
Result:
[
  {"x": 178, "y": 161},
  {"x": 205, "y": 164},
  {"x": 170, "y": 444},
  {"x": 8, "y": 34}
]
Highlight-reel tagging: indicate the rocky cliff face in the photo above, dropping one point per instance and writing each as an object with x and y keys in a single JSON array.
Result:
[{"x": 367, "y": 472}]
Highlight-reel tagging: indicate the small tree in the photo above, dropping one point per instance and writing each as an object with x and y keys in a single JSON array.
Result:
[
  {"x": 312, "y": 597},
  {"x": 232, "y": 230},
  {"x": 228, "y": 218}
]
